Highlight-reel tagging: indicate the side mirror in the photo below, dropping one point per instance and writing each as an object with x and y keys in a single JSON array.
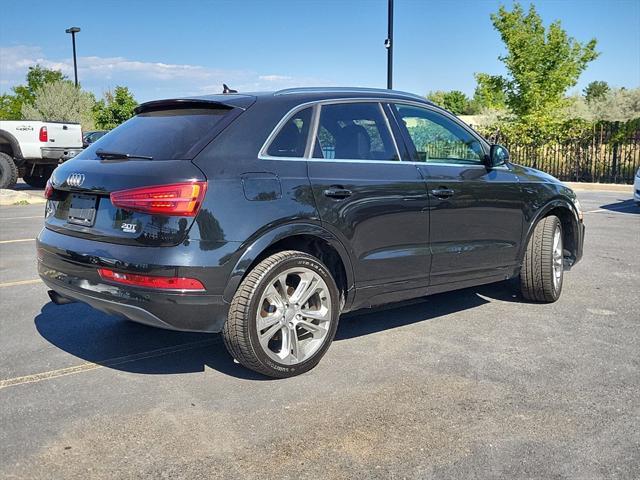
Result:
[{"x": 498, "y": 155}]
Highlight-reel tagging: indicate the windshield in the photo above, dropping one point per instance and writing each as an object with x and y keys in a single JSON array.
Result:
[{"x": 176, "y": 134}]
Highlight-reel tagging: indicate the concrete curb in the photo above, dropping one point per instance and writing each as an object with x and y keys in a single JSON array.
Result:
[
  {"x": 600, "y": 187},
  {"x": 14, "y": 197}
]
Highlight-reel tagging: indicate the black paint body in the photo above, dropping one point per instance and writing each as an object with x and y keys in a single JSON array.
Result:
[{"x": 394, "y": 239}]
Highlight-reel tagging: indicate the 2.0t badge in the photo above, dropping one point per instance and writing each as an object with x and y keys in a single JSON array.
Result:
[{"x": 75, "y": 179}]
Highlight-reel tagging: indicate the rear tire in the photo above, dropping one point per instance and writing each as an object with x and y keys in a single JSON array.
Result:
[
  {"x": 8, "y": 171},
  {"x": 273, "y": 328},
  {"x": 39, "y": 181},
  {"x": 542, "y": 273}
]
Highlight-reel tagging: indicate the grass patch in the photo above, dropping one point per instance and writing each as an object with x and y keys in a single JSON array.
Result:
[{"x": 21, "y": 202}]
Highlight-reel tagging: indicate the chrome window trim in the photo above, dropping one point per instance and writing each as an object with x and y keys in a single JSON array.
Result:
[
  {"x": 385, "y": 162},
  {"x": 262, "y": 155},
  {"x": 316, "y": 104}
]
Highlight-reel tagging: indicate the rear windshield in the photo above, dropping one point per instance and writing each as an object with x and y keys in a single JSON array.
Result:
[{"x": 176, "y": 134}]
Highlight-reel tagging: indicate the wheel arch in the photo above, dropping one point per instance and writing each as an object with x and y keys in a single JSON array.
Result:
[
  {"x": 565, "y": 211},
  {"x": 6, "y": 138},
  {"x": 309, "y": 238}
]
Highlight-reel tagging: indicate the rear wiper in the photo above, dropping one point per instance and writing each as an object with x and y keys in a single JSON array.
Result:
[{"x": 104, "y": 155}]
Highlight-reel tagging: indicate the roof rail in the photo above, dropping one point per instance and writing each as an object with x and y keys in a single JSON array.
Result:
[{"x": 377, "y": 91}]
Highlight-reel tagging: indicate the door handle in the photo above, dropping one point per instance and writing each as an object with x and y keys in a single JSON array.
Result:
[
  {"x": 337, "y": 192},
  {"x": 442, "y": 192}
]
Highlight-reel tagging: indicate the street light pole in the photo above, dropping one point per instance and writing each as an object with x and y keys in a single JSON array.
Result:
[
  {"x": 73, "y": 31},
  {"x": 388, "y": 43}
]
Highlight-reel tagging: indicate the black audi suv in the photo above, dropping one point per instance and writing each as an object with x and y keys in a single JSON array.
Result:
[{"x": 265, "y": 216}]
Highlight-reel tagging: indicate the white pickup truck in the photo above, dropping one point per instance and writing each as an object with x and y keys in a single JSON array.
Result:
[{"x": 33, "y": 149}]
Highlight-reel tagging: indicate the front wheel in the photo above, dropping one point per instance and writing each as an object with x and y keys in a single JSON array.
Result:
[
  {"x": 284, "y": 315},
  {"x": 542, "y": 272}
]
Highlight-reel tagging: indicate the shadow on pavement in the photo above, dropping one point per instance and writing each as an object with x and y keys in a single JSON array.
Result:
[
  {"x": 23, "y": 187},
  {"x": 123, "y": 345},
  {"x": 623, "y": 206}
]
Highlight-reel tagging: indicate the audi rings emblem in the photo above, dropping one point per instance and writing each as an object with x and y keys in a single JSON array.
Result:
[{"x": 75, "y": 179}]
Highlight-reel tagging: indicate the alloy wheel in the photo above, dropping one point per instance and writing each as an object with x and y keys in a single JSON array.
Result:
[{"x": 294, "y": 316}]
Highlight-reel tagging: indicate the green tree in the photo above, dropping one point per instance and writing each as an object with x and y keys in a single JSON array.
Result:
[
  {"x": 489, "y": 93},
  {"x": 455, "y": 101},
  {"x": 542, "y": 63},
  {"x": 614, "y": 105},
  {"x": 37, "y": 76},
  {"x": 437, "y": 97},
  {"x": 61, "y": 101},
  {"x": 595, "y": 90},
  {"x": 116, "y": 107}
]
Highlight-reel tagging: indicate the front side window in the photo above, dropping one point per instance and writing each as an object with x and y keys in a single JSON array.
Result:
[
  {"x": 354, "y": 131},
  {"x": 437, "y": 138},
  {"x": 291, "y": 140}
]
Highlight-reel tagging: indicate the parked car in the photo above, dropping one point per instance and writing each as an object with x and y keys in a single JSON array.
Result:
[
  {"x": 31, "y": 149},
  {"x": 266, "y": 216},
  {"x": 91, "y": 136},
  {"x": 636, "y": 188}
]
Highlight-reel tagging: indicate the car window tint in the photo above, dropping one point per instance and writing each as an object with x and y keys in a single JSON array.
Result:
[
  {"x": 354, "y": 131},
  {"x": 175, "y": 134},
  {"x": 291, "y": 140},
  {"x": 438, "y": 139}
]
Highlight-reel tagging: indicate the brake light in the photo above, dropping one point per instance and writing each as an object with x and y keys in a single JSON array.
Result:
[
  {"x": 149, "y": 281},
  {"x": 44, "y": 135},
  {"x": 183, "y": 199},
  {"x": 48, "y": 190}
]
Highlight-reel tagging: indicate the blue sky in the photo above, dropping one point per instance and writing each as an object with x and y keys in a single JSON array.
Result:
[{"x": 167, "y": 48}]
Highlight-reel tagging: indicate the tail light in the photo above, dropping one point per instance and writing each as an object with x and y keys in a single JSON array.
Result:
[
  {"x": 149, "y": 281},
  {"x": 48, "y": 190},
  {"x": 179, "y": 199},
  {"x": 44, "y": 135}
]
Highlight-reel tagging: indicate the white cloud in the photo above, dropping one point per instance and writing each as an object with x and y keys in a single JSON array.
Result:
[
  {"x": 275, "y": 78},
  {"x": 146, "y": 79}
]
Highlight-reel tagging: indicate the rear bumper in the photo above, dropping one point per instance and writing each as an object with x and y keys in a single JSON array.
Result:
[
  {"x": 69, "y": 266},
  {"x": 58, "y": 153}
]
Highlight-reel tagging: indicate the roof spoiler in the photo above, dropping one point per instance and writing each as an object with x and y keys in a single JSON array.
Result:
[{"x": 174, "y": 103}]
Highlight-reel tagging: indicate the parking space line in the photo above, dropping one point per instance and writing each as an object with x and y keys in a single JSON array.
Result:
[
  {"x": 18, "y": 240},
  {"x": 88, "y": 366},
  {"x": 612, "y": 210},
  {"x": 20, "y": 282},
  {"x": 20, "y": 218}
]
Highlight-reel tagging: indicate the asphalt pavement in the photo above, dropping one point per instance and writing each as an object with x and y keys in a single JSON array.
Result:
[{"x": 469, "y": 384}]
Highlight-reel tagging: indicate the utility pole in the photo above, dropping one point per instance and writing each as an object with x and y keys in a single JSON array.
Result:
[
  {"x": 73, "y": 31},
  {"x": 388, "y": 43}
]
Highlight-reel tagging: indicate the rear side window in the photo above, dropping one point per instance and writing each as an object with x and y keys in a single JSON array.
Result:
[
  {"x": 354, "y": 131},
  {"x": 291, "y": 140},
  {"x": 176, "y": 134}
]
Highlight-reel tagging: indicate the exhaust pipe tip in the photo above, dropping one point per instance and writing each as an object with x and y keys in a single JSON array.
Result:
[{"x": 59, "y": 299}]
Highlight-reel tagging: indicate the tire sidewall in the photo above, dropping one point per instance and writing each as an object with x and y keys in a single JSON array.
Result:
[
  {"x": 557, "y": 290},
  {"x": 280, "y": 369},
  {"x": 8, "y": 171}
]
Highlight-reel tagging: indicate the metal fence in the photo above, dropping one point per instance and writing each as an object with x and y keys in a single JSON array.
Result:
[{"x": 609, "y": 154}]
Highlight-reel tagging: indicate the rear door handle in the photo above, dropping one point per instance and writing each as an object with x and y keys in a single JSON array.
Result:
[
  {"x": 442, "y": 192},
  {"x": 337, "y": 192}
]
